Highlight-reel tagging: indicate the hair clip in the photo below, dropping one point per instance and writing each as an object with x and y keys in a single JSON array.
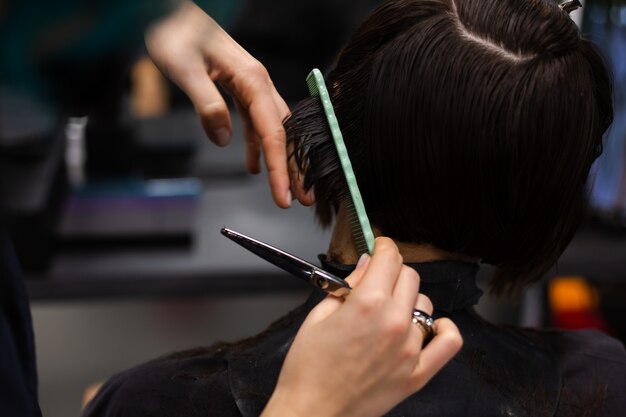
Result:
[{"x": 570, "y": 5}]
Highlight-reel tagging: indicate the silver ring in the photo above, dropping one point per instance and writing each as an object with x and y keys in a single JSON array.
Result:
[
  {"x": 570, "y": 5},
  {"x": 425, "y": 322}
]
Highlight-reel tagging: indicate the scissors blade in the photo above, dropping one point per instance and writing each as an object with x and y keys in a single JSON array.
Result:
[{"x": 290, "y": 263}]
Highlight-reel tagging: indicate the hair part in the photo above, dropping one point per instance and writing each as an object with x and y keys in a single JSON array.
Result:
[{"x": 487, "y": 43}]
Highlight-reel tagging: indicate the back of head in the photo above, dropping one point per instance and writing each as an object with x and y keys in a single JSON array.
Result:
[{"x": 471, "y": 125}]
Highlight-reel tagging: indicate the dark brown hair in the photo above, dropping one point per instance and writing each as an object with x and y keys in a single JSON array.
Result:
[{"x": 471, "y": 125}]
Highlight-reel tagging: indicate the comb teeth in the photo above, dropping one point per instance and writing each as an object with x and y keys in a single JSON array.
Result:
[
  {"x": 361, "y": 230},
  {"x": 311, "y": 83},
  {"x": 355, "y": 226}
]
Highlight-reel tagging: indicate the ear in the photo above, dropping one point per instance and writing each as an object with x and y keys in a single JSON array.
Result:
[{"x": 296, "y": 181}]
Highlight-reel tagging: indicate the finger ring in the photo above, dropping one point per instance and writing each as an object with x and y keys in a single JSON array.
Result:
[{"x": 425, "y": 322}]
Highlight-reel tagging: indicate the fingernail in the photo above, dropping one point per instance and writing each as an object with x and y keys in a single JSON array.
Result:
[
  {"x": 289, "y": 198},
  {"x": 221, "y": 136},
  {"x": 362, "y": 260}
]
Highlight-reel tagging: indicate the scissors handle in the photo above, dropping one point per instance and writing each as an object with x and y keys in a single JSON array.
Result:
[{"x": 329, "y": 283}]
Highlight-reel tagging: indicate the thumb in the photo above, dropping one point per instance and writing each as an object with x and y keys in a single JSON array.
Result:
[
  {"x": 323, "y": 310},
  {"x": 331, "y": 304}
]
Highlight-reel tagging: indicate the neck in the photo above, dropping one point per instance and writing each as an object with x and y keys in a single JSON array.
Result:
[{"x": 342, "y": 249}]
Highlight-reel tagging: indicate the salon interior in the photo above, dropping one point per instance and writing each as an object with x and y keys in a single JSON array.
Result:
[{"x": 115, "y": 214}]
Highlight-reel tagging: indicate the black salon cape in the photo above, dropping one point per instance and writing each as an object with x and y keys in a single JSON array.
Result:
[{"x": 500, "y": 371}]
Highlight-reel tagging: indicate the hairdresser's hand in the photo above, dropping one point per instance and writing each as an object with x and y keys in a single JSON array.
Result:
[
  {"x": 362, "y": 356},
  {"x": 196, "y": 53}
]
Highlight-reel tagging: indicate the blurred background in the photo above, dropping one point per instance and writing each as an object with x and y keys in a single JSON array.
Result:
[{"x": 116, "y": 198}]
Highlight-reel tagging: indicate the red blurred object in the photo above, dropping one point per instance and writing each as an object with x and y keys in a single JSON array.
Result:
[{"x": 573, "y": 320}]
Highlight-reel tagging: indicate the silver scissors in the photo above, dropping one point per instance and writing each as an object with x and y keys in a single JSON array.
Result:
[
  {"x": 314, "y": 275},
  {"x": 300, "y": 268}
]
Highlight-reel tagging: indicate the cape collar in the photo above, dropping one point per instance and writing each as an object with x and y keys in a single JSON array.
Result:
[{"x": 450, "y": 285}]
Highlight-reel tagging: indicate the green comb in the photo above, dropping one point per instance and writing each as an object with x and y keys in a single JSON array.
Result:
[{"x": 360, "y": 223}]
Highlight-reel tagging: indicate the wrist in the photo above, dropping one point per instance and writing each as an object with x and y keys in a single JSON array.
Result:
[{"x": 286, "y": 403}]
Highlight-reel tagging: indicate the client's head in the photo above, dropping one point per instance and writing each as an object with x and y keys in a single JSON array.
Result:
[{"x": 471, "y": 125}]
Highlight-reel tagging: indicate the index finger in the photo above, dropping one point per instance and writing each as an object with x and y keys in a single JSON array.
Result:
[
  {"x": 257, "y": 95},
  {"x": 274, "y": 143}
]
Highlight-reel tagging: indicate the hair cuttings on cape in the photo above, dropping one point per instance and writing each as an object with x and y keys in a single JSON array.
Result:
[{"x": 471, "y": 126}]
